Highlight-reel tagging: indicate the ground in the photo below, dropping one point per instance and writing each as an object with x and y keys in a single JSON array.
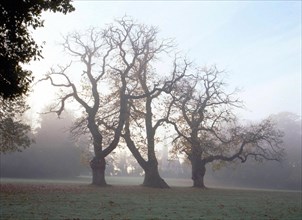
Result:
[{"x": 67, "y": 200}]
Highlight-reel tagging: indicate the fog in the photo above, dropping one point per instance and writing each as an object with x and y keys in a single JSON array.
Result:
[
  {"x": 56, "y": 155},
  {"x": 52, "y": 155},
  {"x": 228, "y": 34}
]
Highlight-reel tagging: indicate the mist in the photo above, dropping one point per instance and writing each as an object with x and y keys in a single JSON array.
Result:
[
  {"x": 53, "y": 155},
  {"x": 56, "y": 155}
]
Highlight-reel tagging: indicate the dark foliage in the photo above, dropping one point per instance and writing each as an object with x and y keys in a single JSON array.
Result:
[
  {"x": 16, "y": 43},
  {"x": 14, "y": 134}
]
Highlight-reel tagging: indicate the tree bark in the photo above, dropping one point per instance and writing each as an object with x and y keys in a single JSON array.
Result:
[
  {"x": 98, "y": 165},
  {"x": 198, "y": 172},
  {"x": 152, "y": 177}
]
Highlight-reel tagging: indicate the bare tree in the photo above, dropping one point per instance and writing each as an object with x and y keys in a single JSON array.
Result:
[
  {"x": 146, "y": 114},
  {"x": 208, "y": 131},
  {"x": 96, "y": 50},
  {"x": 139, "y": 48}
]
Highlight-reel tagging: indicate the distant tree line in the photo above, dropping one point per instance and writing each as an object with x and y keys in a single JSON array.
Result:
[
  {"x": 55, "y": 155},
  {"x": 276, "y": 175}
]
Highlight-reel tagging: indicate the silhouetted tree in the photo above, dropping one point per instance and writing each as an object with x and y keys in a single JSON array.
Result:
[
  {"x": 17, "y": 46},
  {"x": 144, "y": 89},
  {"x": 207, "y": 129},
  {"x": 106, "y": 60},
  {"x": 146, "y": 114},
  {"x": 134, "y": 47}
]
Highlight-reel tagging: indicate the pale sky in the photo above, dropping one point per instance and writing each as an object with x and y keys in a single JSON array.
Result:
[{"x": 258, "y": 43}]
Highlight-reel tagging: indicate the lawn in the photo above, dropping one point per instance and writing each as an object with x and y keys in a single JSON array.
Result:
[{"x": 78, "y": 200}]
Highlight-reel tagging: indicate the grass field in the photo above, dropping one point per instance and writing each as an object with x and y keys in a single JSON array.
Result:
[{"x": 68, "y": 199}]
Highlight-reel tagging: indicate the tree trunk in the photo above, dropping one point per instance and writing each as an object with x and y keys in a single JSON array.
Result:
[
  {"x": 152, "y": 177},
  {"x": 198, "y": 172},
  {"x": 98, "y": 171}
]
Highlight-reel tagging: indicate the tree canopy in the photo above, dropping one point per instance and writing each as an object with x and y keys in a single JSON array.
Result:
[{"x": 17, "y": 46}]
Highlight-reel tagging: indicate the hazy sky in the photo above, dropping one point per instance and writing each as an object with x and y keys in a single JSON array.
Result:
[{"x": 257, "y": 43}]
